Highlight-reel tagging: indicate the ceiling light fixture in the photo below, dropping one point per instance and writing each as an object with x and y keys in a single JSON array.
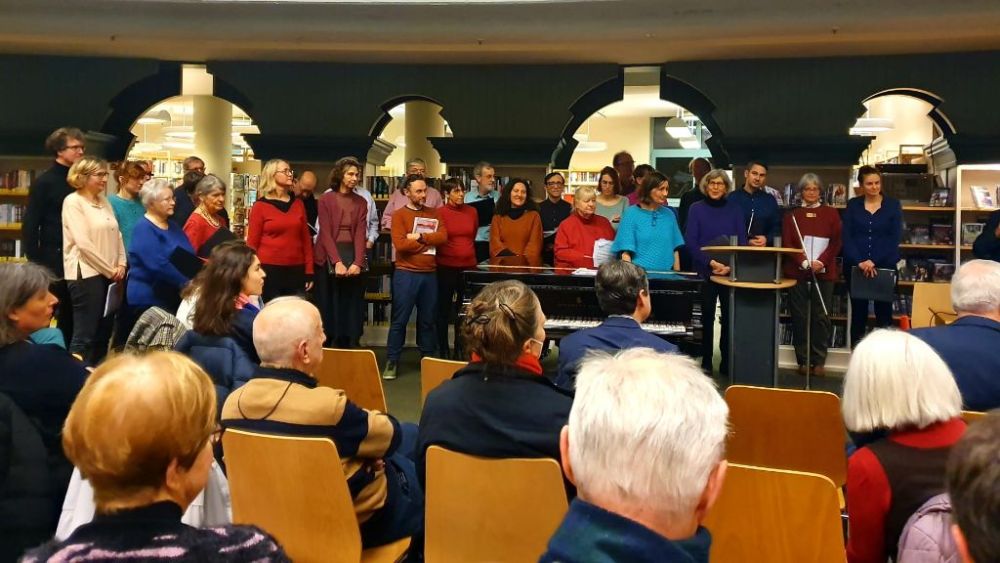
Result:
[
  {"x": 677, "y": 128},
  {"x": 592, "y": 146},
  {"x": 871, "y": 126},
  {"x": 146, "y": 147},
  {"x": 153, "y": 117},
  {"x": 690, "y": 143}
]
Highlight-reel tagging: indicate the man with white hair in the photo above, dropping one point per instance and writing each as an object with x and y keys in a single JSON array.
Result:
[
  {"x": 283, "y": 398},
  {"x": 968, "y": 346},
  {"x": 645, "y": 448}
]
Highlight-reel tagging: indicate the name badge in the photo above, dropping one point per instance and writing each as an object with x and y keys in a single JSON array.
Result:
[{"x": 810, "y": 215}]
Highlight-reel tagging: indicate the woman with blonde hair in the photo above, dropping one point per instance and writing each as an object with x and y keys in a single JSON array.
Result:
[
  {"x": 93, "y": 256},
  {"x": 141, "y": 432},
  {"x": 499, "y": 405},
  {"x": 899, "y": 390},
  {"x": 279, "y": 233},
  {"x": 578, "y": 233}
]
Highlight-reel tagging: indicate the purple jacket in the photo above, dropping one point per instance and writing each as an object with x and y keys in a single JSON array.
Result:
[
  {"x": 926, "y": 537},
  {"x": 705, "y": 223}
]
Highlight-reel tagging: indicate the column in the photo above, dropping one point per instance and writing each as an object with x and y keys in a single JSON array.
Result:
[
  {"x": 423, "y": 119},
  {"x": 213, "y": 139}
]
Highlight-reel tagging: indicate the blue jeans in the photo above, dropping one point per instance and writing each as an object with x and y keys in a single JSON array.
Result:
[
  {"x": 409, "y": 290},
  {"x": 402, "y": 515}
]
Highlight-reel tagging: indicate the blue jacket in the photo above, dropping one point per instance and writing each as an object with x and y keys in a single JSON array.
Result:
[
  {"x": 615, "y": 333},
  {"x": 153, "y": 280},
  {"x": 987, "y": 245},
  {"x": 969, "y": 347},
  {"x": 222, "y": 358},
  {"x": 760, "y": 211},
  {"x": 871, "y": 236},
  {"x": 590, "y": 534}
]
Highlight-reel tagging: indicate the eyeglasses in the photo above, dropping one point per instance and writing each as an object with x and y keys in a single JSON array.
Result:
[
  {"x": 717, "y": 183},
  {"x": 74, "y": 148},
  {"x": 99, "y": 174},
  {"x": 288, "y": 172}
]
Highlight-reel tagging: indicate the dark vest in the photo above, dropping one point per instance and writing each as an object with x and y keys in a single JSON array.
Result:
[{"x": 915, "y": 475}]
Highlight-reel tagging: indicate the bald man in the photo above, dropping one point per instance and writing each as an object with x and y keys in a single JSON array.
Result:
[
  {"x": 283, "y": 398},
  {"x": 303, "y": 189}
]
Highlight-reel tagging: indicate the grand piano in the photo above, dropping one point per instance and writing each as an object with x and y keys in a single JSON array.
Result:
[{"x": 570, "y": 302}]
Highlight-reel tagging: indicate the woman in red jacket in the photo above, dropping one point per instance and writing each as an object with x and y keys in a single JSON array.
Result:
[
  {"x": 279, "y": 234},
  {"x": 457, "y": 254},
  {"x": 340, "y": 256},
  {"x": 576, "y": 235}
]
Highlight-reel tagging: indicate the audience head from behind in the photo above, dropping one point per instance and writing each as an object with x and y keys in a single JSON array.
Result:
[
  {"x": 973, "y": 474},
  {"x": 67, "y": 144},
  {"x": 645, "y": 442},
  {"x": 896, "y": 381},
  {"x": 975, "y": 289},
  {"x": 622, "y": 289},
  {"x": 25, "y": 301},
  {"x": 504, "y": 323},
  {"x": 288, "y": 333},
  {"x": 233, "y": 272},
  {"x": 141, "y": 432}
]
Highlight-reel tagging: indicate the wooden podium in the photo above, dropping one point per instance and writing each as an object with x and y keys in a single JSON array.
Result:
[{"x": 753, "y": 282}]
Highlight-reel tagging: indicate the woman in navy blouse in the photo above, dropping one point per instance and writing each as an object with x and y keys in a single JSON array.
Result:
[
  {"x": 154, "y": 280},
  {"x": 873, "y": 225}
]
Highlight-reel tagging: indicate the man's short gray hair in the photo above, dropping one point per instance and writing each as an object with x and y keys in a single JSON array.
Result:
[
  {"x": 477, "y": 170},
  {"x": 416, "y": 160},
  {"x": 647, "y": 428},
  {"x": 151, "y": 190},
  {"x": 975, "y": 287}
]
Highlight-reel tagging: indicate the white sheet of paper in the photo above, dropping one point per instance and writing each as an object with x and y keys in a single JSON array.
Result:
[
  {"x": 602, "y": 251},
  {"x": 424, "y": 225},
  {"x": 815, "y": 246},
  {"x": 584, "y": 272}
]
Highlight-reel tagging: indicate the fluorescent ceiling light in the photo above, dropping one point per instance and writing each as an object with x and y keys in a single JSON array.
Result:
[
  {"x": 677, "y": 128},
  {"x": 592, "y": 146},
  {"x": 179, "y": 132},
  {"x": 179, "y": 145},
  {"x": 152, "y": 117},
  {"x": 690, "y": 142},
  {"x": 581, "y": 137},
  {"x": 146, "y": 147},
  {"x": 869, "y": 126}
]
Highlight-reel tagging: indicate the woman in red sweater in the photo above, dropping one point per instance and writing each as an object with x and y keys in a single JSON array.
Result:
[
  {"x": 340, "y": 256},
  {"x": 901, "y": 398},
  {"x": 206, "y": 228},
  {"x": 577, "y": 234},
  {"x": 517, "y": 227},
  {"x": 454, "y": 256},
  {"x": 820, "y": 228},
  {"x": 279, "y": 233}
]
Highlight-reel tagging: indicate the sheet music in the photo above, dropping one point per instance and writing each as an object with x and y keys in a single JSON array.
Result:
[
  {"x": 602, "y": 251},
  {"x": 815, "y": 246},
  {"x": 424, "y": 225}
]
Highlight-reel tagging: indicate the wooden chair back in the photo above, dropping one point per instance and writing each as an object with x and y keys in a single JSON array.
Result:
[
  {"x": 932, "y": 305},
  {"x": 434, "y": 372},
  {"x": 972, "y": 416},
  {"x": 356, "y": 373},
  {"x": 776, "y": 516},
  {"x": 295, "y": 489},
  {"x": 787, "y": 429},
  {"x": 495, "y": 510}
]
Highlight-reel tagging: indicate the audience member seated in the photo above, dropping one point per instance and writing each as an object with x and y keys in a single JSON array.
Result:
[
  {"x": 644, "y": 445},
  {"x": 578, "y": 233},
  {"x": 896, "y": 384},
  {"x": 41, "y": 380},
  {"x": 972, "y": 477},
  {"x": 969, "y": 344},
  {"x": 141, "y": 432},
  {"x": 221, "y": 339},
  {"x": 623, "y": 293},
  {"x": 499, "y": 405},
  {"x": 376, "y": 450}
]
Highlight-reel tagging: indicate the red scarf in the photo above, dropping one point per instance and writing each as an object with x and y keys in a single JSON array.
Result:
[{"x": 527, "y": 362}]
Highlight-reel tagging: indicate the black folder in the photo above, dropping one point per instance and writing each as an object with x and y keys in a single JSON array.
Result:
[
  {"x": 185, "y": 262},
  {"x": 220, "y": 236},
  {"x": 880, "y": 288},
  {"x": 484, "y": 210}
]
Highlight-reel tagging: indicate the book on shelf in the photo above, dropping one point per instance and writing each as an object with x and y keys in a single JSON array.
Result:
[
  {"x": 10, "y": 248},
  {"x": 940, "y": 197},
  {"x": 13, "y": 179},
  {"x": 835, "y": 194},
  {"x": 942, "y": 271},
  {"x": 921, "y": 269},
  {"x": 942, "y": 234},
  {"x": 983, "y": 197},
  {"x": 920, "y": 234},
  {"x": 970, "y": 232},
  {"x": 11, "y": 213}
]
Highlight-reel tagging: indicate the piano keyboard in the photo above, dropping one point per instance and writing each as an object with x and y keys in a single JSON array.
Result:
[{"x": 577, "y": 323}]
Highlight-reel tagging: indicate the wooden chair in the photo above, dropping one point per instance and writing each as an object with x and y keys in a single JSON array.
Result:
[
  {"x": 932, "y": 305},
  {"x": 787, "y": 429},
  {"x": 493, "y": 510},
  {"x": 776, "y": 516},
  {"x": 357, "y": 373},
  {"x": 434, "y": 372},
  {"x": 972, "y": 416},
  {"x": 295, "y": 488}
]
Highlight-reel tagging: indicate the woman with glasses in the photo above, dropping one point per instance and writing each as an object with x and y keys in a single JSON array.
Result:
[
  {"x": 579, "y": 233},
  {"x": 499, "y": 405},
  {"x": 162, "y": 407},
  {"x": 714, "y": 220},
  {"x": 649, "y": 235},
  {"x": 279, "y": 233},
  {"x": 93, "y": 257},
  {"x": 207, "y": 227},
  {"x": 454, "y": 256},
  {"x": 610, "y": 204}
]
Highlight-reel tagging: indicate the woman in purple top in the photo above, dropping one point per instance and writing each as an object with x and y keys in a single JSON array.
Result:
[{"x": 713, "y": 221}]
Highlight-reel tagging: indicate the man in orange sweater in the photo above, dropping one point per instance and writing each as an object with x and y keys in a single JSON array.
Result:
[{"x": 416, "y": 231}]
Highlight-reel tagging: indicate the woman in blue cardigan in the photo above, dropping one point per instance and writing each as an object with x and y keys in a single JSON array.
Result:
[
  {"x": 648, "y": 234},
  {"x": 154, "y": 280},
  {"x": 873, "y": 226}
]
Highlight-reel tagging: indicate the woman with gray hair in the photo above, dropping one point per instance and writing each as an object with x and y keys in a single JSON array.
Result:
[
  {"x": 42, "y": 380},
  {"x": 160, "y": 256},
  {"x": 896, "y": 387},
  {"x": 207, "y": 227}
]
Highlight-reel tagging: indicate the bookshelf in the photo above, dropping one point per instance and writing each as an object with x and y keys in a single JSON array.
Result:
[
  {"x": 576, "y": 178},
  {"x": 17, "y": 173}
]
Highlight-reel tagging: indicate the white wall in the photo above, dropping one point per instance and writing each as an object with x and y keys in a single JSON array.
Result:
[
  {"x": 620, "y": 133},
  {"x": 912, "y": 126}
]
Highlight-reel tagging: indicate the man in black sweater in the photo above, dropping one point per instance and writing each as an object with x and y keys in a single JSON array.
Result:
[{"x": 42, "y": 231}]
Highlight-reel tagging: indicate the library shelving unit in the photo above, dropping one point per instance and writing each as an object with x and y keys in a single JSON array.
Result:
[
  {"x": 16, "y": 175},
  {"x": 576, "y": 178}
]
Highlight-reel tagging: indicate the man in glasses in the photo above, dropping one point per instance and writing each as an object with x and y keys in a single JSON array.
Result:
[
  {"x": 42, "y": 230},
  {"x": 554, "y": 210}
]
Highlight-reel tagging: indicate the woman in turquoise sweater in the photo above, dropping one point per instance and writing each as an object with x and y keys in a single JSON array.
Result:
[{"x": 649, "y": 235}]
